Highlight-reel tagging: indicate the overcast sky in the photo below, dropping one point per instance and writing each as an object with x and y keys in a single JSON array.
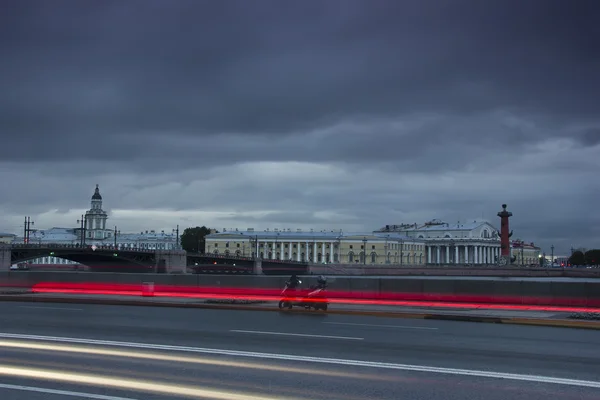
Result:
[{"x": 303, "y": 114}]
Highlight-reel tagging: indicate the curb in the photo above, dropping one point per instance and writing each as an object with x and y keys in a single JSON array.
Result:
[{"x": 558, "y": 323}]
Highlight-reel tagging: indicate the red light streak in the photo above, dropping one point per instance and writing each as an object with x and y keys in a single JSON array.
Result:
[{"x": 333, "y": 297}]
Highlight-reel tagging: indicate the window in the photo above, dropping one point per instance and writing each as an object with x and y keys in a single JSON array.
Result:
[
  {"x": 373, "y": 257},
  {"x": 350, "y": 257}
]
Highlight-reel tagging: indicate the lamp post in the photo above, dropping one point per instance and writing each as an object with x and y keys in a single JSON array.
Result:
[
  {"x": 176, "y": 232},
  {"x": 401, "y": 251},
  {"x": 27, "y": 229},
  {"x": 387, "y": 257},
  {"x": 364, "y": 251},
  {"x": 83, "y": 222},
  {"x": 552, "y": 256},
  {"x": 115, "y": 236}
]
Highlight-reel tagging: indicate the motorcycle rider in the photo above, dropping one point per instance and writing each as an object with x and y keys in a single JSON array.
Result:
[
  {"x": 321, "y": 283},
  {"x": 293, "y": 282}
]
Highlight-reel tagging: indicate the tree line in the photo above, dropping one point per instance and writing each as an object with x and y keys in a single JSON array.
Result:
[{"x": 589, "y": 257}]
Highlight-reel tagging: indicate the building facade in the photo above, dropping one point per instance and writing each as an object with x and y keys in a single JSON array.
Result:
[
  {"x": 319, "y": 247},
  {"x": 525, "y": 254},
  {"x": 470, "y": 243},
  {"x": 95, "y": 233},
  {"x": 7, "y": 238}
]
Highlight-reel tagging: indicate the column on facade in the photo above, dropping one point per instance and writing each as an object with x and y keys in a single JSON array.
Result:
[
  {"x": 290, "y": 252},
  {"x": 314, "y": 252},
  {"x": 429, "y": 261},
  {"x": 466, "y": 254},
  {"x": 331, "y": 249},
  {"x": 438, "y": 259},
  {"x": 456, "y": 258},
  {"x": 306, "y": 259},
  {"x": 475, "y": 255},
  {"x": 323, "y": 257},
  {"x": 447, "y": 254},
  {"x": 298, "y": 252}
]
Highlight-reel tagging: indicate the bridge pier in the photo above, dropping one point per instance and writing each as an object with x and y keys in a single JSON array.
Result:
[
  {"x": 171, "y": 262},
  {"x": 5, "y": 257},
  {"x": 258, "y": 266}
]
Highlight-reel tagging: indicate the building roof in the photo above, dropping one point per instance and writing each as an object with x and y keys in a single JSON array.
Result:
[
  {"x": 309, "y": 236},
  {"x": 4, "y": 234},
  {"x": 436, "y": 225}
]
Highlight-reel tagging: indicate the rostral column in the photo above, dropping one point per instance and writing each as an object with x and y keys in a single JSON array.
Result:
[{"x": 505, "y": 235}]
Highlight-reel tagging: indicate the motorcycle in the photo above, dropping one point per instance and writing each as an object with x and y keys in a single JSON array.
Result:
[{"x": 315, "y": 298}]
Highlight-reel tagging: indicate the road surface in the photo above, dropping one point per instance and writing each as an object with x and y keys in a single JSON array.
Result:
[{"x": 60, "y": 351}]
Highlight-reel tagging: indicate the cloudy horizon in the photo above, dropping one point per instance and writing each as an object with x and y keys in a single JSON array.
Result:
[{"x": 343, "y": 114}]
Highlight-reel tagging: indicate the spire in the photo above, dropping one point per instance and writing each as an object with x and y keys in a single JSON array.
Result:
[{"x": 96, "y": 195}]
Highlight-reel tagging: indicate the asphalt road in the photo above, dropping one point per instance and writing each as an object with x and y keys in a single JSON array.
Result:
[{"x": 168, "y": 353}]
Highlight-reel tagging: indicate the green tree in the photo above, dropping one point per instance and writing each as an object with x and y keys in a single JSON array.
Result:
[
  {"x": 592, "y": 257},
  {"x": 577, "y": 258},
  {"x": 192, "y": 239}
]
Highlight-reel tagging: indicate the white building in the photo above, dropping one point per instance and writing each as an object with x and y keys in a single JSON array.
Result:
[
  {"x": 475, "y": 242},
  {"x": 97, "y": 234},
  {"x": 323, "y": 247}
]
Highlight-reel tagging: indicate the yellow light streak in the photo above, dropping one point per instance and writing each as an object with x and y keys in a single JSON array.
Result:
[
  {"x": 130, "y": 384},
  {"x": 174, "y": 358}
]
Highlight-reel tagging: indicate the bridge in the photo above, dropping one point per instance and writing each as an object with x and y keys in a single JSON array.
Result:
[
  {"x": 114, "y": 259},
  {"x": 103, "y": 258}
]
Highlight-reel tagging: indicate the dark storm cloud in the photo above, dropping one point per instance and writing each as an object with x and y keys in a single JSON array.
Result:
[{"x": 78, "y": 69}]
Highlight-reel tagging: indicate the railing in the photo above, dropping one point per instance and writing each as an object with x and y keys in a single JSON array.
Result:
[
  {"x": 78, "y": 247},
  {"x": 242, "y": 258}
]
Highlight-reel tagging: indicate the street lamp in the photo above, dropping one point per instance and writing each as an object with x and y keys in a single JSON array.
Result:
[
  {"x": 364, "y": 251},
  {"x": 387, "y": 257},
  {"x": 176, "y": 232},
  {"x": 83, "y": 222},
  {"x": 28, "y": 223},
  {"x": 401, "y": 251},
  {"x": 552, "y": 256},
  {"x": 116, "y": 236}
]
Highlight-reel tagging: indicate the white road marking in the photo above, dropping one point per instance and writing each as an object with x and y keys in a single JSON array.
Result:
[
  {"x": 52, "y": 308},
  {"x": 382, "y": 326},
  {"x": 298, "y": 334},
  {"x": 319, "y": 360},
  {"x": 62, "y": 392}
]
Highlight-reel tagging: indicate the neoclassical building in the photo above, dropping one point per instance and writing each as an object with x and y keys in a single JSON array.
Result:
[
  {"x": 475, "y": 242},
  {"x": 469, "y": 243},
  {"x": 323, "y": 247},
  {"x": 433, "y": 243}
]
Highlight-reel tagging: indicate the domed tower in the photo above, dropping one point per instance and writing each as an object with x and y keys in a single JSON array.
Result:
[{"x": 96, "y": 218}]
